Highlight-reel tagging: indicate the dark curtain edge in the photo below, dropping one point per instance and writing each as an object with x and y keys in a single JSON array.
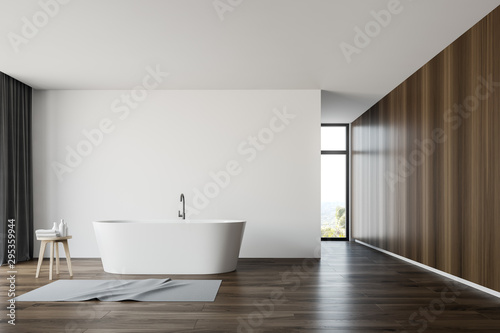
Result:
[{"x": 16, "y": 169}]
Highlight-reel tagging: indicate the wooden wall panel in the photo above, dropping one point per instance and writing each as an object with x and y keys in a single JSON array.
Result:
[{"x": 426, "y": 162}]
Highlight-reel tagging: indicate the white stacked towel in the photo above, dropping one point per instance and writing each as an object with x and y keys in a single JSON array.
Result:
[{"x": 47, "y": 233}]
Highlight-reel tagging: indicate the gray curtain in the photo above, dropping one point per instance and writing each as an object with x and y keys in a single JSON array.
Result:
[{"x": 16, "y": 180}]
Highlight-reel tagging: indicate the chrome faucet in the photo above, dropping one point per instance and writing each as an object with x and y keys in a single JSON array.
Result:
[{"x": 183, "y": 200}]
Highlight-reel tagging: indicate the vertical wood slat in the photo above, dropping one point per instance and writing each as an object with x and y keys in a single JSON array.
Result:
[{"x": 436, "y": 202}]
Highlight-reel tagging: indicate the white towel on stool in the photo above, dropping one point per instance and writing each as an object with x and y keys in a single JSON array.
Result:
[{"x": 47, "y": 233}]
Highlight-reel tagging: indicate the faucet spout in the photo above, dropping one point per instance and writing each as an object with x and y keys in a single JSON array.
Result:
[{"x": 183, "y": 200}]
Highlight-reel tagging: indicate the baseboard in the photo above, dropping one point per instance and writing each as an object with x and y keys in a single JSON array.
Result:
[{"x": 434, "y": 270}]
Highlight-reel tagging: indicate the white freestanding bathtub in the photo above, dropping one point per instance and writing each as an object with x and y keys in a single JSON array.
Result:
[{"x": 169, "y": 246}]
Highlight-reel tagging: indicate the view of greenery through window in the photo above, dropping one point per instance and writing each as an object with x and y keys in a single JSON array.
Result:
[{"x": 332, "y": 220}]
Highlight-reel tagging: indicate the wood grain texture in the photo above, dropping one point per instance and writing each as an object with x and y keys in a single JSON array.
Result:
[
  {"x": 426, "y": 162},
  {"x": 351, "y": 289}
]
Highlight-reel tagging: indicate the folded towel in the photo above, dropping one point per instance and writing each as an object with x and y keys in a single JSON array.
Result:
[
  {"x": 46, "y": 231},
  {"x": 47, "y": 235}
]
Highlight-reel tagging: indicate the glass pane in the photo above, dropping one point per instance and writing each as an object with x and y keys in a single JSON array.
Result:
[
  {"x": 333, "y": 138},
  {"x": 333, "y": 196}
]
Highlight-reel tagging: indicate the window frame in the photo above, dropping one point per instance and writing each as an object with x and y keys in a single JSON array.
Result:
[{"x": 346, "y": 153}]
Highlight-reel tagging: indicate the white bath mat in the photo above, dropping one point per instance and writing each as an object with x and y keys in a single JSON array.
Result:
[{"x": 150, "y": 290}]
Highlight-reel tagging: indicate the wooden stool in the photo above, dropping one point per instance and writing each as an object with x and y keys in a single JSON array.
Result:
[{"x": 52, "y": 240}]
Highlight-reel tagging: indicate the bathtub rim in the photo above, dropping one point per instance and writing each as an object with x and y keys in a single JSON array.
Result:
[{"x": 188, "y": 221}]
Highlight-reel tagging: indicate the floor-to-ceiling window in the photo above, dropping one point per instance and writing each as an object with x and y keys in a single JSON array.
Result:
[{"x": 334, "y": 181}]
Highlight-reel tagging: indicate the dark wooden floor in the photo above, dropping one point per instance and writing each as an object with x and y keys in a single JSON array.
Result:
[{"x": 352, "y": 289}]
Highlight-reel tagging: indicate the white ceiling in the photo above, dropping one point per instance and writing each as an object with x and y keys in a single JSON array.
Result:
[{"x": 260, "y": 44}]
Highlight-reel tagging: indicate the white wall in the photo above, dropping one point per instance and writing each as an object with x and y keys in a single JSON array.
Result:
[{"x": 168, "y": 144}]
